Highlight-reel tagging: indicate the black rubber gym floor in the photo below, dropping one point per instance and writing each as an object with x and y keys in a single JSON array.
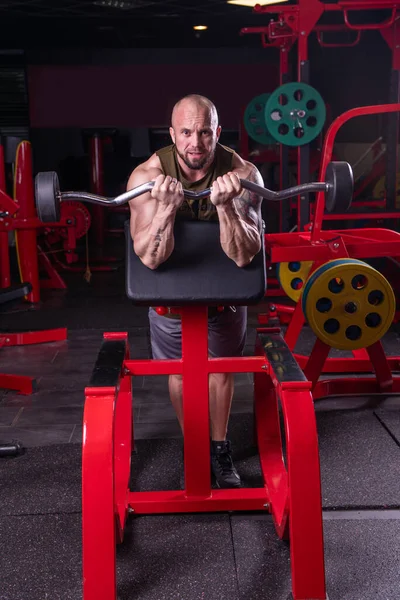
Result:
[{"x": 234, "y": 556}]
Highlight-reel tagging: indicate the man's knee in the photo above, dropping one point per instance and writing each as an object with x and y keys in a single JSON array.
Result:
[{"x": 222, "y": 379}]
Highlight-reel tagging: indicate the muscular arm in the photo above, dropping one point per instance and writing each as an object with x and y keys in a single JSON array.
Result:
[
  {"x": 240, "y": 223},
  {"x": 151, "y": 223}
]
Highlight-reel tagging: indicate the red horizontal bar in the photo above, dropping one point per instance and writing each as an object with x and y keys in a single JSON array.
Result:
[
  {"x": 100, "y": 391},
  {"x": 350, "y": 387},
  {"x": 34, "y": 337},
  {"x": 153, "y": 367},
  {"x": 322, "y": 252},
  {"x": 21, "y": 383},
  {"x": 356, "y": 216},
  {"x": 218, "y": 500},
  {"x": 9, "y": 224},
  {"x": 349, "y": 364},
  {"x": 241, "y": 364}
]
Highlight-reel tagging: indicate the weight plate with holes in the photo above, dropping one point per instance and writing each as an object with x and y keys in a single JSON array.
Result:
[
  {"x": 254, "y": 121},
  {"x": 339, "y": 176},
  {"x": 292, "y": 277},
  {"x": 295, "y": 114},
  {"x": 80, "y": 215},
  {"x": 348, "y": 304},
  {"x": 47, "y": 190}
]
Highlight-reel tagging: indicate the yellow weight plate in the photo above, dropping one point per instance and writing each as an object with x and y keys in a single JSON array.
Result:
[
  {"x": 348, "y": 304},
  {"x": 292, "y": 277},
  {"x": 380, "y": 192}
]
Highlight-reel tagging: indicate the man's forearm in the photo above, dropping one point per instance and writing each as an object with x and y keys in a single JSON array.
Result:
[
  {"x": 239, "y": 240},
  {"x": 155, "y": 244}
]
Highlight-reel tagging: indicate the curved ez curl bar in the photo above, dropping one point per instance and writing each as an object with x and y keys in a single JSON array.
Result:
[{"x": 337, "y": 187}]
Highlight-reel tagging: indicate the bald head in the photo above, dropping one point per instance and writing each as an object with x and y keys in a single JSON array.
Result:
[
  {"x": 195, "y": 131},
  {"x": 195, "y": 104}
]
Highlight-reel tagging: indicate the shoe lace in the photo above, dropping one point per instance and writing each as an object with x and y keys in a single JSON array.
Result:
[{"x": 225, "y": 462}]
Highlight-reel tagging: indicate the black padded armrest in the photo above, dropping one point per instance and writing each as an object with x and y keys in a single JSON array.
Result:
[
  {"x": 14, "y": 292},
  {"x": 198, "y": 272}
]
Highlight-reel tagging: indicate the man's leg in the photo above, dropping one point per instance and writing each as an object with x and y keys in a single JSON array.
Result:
[
  {"x": 221, "y": 394},
  {"x": 227, "y": 337},
  {"x": 175, "y": 393}
]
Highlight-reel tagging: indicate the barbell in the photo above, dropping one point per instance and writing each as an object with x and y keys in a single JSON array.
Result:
[{"x": 338, "y": 189}]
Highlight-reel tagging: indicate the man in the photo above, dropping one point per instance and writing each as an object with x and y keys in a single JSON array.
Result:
[{"x": 196, "y": 161}]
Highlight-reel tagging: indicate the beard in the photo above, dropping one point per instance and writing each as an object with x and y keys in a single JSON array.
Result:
[{"x": 196, "y": 164}]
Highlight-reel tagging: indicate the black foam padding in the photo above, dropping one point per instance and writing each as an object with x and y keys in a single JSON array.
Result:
[
  {"x": 360, "y": 462},
  {"x": 108, "y": 367},
  {"x": 43, "y": 480},
  {"x": 361, "y": 559},
  {"x": 197, "y": 272}
]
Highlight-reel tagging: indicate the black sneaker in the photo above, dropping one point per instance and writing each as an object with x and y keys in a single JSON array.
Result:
[{"x": 222, "y": 466}]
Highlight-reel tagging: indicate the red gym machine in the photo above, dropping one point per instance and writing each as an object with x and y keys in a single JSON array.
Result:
[
  {"x": 361, "y": 303},
  {"x": 19, "y": 215},
  {"x": 295, "y": 23},
  {"x": 316, "y": 245}
]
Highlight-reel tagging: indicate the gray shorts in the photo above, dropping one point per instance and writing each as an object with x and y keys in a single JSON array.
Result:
[{"x": 226, "y": 334}]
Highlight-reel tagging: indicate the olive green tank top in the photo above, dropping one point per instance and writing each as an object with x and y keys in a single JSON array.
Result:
[{"x": 203, "y": 209}]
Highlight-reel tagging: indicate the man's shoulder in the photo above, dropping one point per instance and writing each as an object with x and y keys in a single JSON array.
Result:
[
  {"x": 151, "y": 164},
  {"x": 146, "y": 171},
  {"x": 245, "y": 167}
]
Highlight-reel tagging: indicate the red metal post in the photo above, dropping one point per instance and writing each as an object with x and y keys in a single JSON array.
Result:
[
  {"x": 123, "y": 444},
  {"x": 269, "y": 443},
  {"x": 195, "y": 371},
  {"x": 381, "y": 366},
  {"x": 5, "y": 275},
  {"x": 327, "y": 154},
  {"x": 26, "y": 238},
  {"x": 305, "y": 523},
  {"x": 99, "y": 530},
  {"x": 315, "y": 363},
  {"x": 97, "y": 187}
]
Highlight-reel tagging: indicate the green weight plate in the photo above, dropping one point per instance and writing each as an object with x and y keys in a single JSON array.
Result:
[
  {"x": 295, "y": 114},
  {"x": 254, "y": 120}
]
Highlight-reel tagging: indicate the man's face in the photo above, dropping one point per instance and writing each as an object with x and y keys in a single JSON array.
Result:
[{"x": 195, "y": 135}]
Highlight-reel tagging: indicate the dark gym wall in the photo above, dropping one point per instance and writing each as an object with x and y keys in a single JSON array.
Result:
[{"x": 139, "y": 88}]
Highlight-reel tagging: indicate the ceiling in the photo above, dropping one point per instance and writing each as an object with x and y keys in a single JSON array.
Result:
[{"x": 26, "y": 24}]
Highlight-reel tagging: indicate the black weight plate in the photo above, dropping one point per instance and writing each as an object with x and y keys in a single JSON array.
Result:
[
  {"x": 339, "y": 176},
  {"x": 47, "y": 195}
]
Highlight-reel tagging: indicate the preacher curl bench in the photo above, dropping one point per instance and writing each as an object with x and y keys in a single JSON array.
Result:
[{"x": 196, "y": 276}]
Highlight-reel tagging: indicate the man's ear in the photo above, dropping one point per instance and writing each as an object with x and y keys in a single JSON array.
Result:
[
  {"x": 219, "y": 128},
  {"x": 172, "y": 134}
]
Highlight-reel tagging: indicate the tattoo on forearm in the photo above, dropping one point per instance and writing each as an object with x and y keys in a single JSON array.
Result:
[
  {"x": 157, "y": 242},
  {"x": 248, "y": 204}
]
